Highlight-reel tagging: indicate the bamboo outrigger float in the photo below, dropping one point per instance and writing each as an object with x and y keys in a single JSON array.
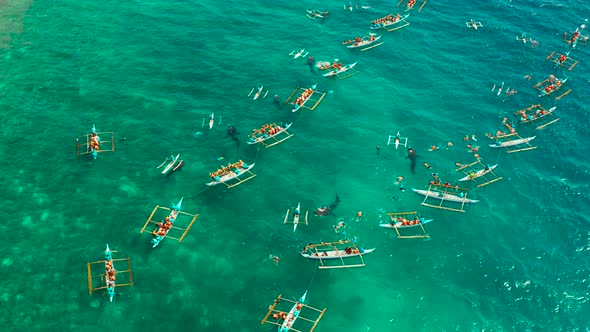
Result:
[
  {"x": 537, "y": 115},
  {"x": 337, "y": 251},
  {"x": 108, "y": 277},
  {"x": 445, "y": 193},
  {"x": 296, "y": 217},
  {"x": 270, "y": 132},
  {"x": 231, "y": 175},
  {"x": 479, "y": 173},
  {"x": 308, "y": 98},
  {"x": 168, "y": 223},
  {"x": 562, "y": 60},
  {"x": 513, "y": 142},
  {"x": 390, "y": 22},
  {"x": 412, "y": 3},
  {"x": 93, "y": 144},
  {"x": 407, "y": 220},
  {"x": 553, "y": 85},
  {"x": 285, "y": 320}
]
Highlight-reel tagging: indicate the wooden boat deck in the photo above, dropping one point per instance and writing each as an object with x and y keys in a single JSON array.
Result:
[
  {"x": 175, "y": 227},
  {"x": 275, "y": 139}
]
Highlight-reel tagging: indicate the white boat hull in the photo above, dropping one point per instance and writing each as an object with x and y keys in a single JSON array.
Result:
[
  {"x": 446, "y": 197},
  {"x": 512, "y": 142},
  {"x": 261, "y": 139},
  {"x": 336, "y": 254},
  {"x": 231, "y": 175},
  {"x": 478, "y": 174},
  {"x": 399, "y": 225}
]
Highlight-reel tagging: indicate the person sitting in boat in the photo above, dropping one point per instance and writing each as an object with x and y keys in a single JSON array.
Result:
[
  {"x": 94, "y": 142},
  {"x": 348, "y": 250}
]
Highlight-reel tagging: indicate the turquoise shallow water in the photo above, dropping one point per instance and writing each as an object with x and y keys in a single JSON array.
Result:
[{"x": 150, "y": 71}]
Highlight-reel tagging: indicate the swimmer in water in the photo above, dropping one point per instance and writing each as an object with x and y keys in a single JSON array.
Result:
[{"x": 378, "y": 148}]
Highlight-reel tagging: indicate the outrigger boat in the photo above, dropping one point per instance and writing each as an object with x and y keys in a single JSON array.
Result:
[
  {"x": 576, "y": 37},
  {"x": 297, "y": 54},
  {"x": 93, "y": 143},
  {"x": 562, "y": 60},
  {"x": 210, "y": 120},
  {"x": 230, "y": 173},
  {"x": 486, "y": 173},
  {"x": 285, "y": 321},
  {"x": 108, "y": 278},
  {"x": 398, "y": 140},
  {"x": 296, "y": 217},
  {"x": 313, "y": 14},
  {"x": 168, "y": 223},
  {"x": 258, "y": 93},
  {"x": 554, "y": 85},
  {"x": 512, "y": 142},
  {"x": 364, "y": 43},
  {"x": 172, "y": 166},
  {"x": 274, "y": 132},
  {"x": 395, "y": 22},
  {"x": 339, "y": 70},
  {"x": 335, "y": 251},
  {"x": 407, "y": 220},
  {"x": 304, "y": 97},
  {"x": 412, "y": 3},
  {"x": 445, "y": 193},
  {"x": 538, "y": 116},
  {"x": 473, "y": 24}
]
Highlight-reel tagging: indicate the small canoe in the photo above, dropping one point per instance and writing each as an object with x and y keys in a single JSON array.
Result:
[
  {"x": 475, "y": 175},
  {"x": 401, "y": 225},
  {"x": 110, "y": 283},
  {"x": 444, "y": 196},
  {"x": 335, "y": 254},
  {"x": 397, "y": 140},
  {"x": 170, "y": 165},
  {"x": 512, "y": 142},
  {"x": 296, "y": 216}
]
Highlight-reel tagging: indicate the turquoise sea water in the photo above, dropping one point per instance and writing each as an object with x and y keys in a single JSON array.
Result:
[{"x": 151, "y": 71}]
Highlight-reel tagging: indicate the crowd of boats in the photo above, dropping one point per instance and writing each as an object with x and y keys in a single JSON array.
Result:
[{"x": 406, "y": 224}]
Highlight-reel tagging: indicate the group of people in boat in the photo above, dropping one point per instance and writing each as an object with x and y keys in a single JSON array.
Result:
[
  {"x": 266, "y": 130},
  {"x": 304, "y": 96},
  {"x": 94, "y": 142},
  {"x": 401, "y": 221},
  {"x": 361, "y": 40},
  {"x": 110, "y": 273},
  {"x": 164, "y": 227},
  {"x": 289, "y": 318},
  {"x": 227, "y": 169},
  {"x": 437, "y": 182},
  {"x": 524, "y": 117},
  {"x": 385, "y": 21},
  {"x": 554, "y": 84}
]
